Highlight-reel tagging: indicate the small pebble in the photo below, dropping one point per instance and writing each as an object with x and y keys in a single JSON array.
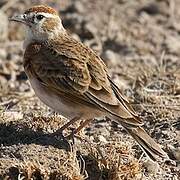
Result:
[
  {"x": 152, "y": 167},
  {"x": 3, "y": 26},
  {"x": 3, "y": 54}
]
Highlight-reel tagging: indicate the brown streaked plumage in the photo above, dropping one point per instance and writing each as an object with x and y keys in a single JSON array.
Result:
[{"x": 73, "y": 80}]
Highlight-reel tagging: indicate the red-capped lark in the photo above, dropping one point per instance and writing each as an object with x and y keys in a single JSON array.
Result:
[{"x": 73, "y": 80}]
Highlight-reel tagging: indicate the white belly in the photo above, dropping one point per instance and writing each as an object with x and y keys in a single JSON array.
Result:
[
  {"x": 52, "y": 100},
  {"x": 67, "y": 109}
]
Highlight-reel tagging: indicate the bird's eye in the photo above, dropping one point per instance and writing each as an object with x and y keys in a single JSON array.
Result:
[{"x": 39, "y": 17}]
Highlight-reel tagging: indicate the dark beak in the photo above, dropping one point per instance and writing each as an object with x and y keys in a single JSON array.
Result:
[{"x": 19, "y": 18}]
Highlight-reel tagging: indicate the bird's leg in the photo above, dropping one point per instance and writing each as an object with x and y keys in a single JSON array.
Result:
[
  {"x": 72, "y": 135},
  {"x": 59, "y": 131},
  {"x": 83, "y": 124}
]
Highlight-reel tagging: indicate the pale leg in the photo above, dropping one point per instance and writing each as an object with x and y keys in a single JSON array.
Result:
[
  {"x": 82, "y": 125},
  {"x": 59, "y": 131}
]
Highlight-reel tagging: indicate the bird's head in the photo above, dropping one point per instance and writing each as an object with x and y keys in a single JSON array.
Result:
[{"x": 42, "y": 22}]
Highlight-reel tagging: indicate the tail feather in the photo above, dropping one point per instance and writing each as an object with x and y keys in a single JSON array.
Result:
[{"x": 148, "y": 145}]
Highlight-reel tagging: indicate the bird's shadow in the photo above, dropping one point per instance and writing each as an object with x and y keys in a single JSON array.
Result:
[{"x": 13, "y": 134}]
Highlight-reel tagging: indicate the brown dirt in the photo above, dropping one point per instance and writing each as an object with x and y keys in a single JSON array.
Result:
[{"x": 139, "y": 41}]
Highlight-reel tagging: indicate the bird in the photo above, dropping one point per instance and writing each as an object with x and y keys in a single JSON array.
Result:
[{"x": 73, "y": 80}]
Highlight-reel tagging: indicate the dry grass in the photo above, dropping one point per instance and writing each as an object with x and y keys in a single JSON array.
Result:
[
  {"x": 139, "y": 41},
  {"x": 58, "y": 159},
  {"x": 115, "y": 160},
  {"x": 59, "y": 164}
]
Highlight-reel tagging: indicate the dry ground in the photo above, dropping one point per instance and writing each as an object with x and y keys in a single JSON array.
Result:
[{"x": 139, "y": 40}]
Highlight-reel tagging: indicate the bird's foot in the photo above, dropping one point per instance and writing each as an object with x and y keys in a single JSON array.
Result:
[
  {"x": 59, "y": 135},
  {"x": 71, "y": 136}
]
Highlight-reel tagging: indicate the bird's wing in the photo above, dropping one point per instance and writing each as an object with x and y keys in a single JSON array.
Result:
[{"x": 76, "y": 71}]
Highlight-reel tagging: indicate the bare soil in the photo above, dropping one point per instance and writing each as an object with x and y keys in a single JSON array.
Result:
[{"x": 139, "y": 41}]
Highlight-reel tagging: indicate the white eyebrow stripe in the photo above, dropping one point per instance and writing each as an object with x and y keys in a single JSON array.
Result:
[{"x": 48, "y": 15}]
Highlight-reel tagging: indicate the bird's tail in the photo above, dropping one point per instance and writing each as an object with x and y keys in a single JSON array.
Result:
[{"x": 148, "y": 145}]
